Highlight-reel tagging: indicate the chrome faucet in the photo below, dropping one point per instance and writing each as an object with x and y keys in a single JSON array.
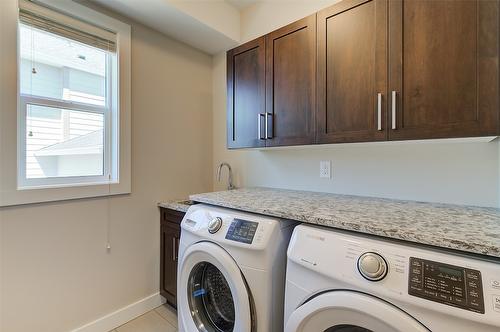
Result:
[{"x": 230, "y": 185}]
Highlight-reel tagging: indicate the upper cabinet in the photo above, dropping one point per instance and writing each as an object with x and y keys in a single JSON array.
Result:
[
  {"x": 291, "y": 83},
  {"x": 369, "y": 70},
  {"x": 246, "y": 83},
  {"x": 352, "y": 72},
  {"x": 271, "y": 88},
  {"x": 443, "y": 66}
]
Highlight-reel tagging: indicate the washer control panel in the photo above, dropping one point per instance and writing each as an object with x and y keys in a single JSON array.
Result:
[
  {"x": 448, "y": 284},
  {"x": 242, "y": 231}
]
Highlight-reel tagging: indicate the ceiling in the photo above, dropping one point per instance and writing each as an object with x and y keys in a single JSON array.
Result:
[
  {"x": 241, "y": 4},
  {"x": 210, "y": 26}
]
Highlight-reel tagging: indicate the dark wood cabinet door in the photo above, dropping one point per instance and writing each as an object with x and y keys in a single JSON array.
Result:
[
  {"x": 443, "y": 68},
  {"x": 291, "y": 84},
  {"x": 246, "y": 95},
  {"x": 170, "y": 239},
  {"x": 352, "y": 72}
]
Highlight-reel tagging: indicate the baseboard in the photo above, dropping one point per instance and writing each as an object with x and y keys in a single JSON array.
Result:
[{"x": 123, "y": 315}]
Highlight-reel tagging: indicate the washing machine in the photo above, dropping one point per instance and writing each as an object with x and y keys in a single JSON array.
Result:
[
  {"x": 340, "y": 282},
  {"x": 231, "y": 272}
]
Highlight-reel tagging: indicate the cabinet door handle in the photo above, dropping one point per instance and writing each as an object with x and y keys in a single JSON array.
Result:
[
  {"x": 259, "y": 124},
  {"x": 379, "y": 111},
  {"x": 174, "y": 245},
  {"x": 393, "y": 100},
  {"x": 269, "y": 125},
  {"x": 178, "y": 242}
]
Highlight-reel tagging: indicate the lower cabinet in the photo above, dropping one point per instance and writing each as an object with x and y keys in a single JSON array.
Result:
[{"x": 169, "y": 253}]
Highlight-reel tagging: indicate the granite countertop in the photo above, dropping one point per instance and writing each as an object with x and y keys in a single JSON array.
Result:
[
  {"x": 181, "y": 205},
  {"x": 465, "y": 228}
]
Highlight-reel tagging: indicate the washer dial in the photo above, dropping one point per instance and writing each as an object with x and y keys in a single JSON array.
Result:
[
  {"x": 214, "y": 225},
  {"x": 372, "y": 266}
]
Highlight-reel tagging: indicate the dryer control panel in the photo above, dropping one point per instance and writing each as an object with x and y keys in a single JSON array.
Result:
[
  {"x": 448, "y": 284},
  {"x": 242, "y": 231}
]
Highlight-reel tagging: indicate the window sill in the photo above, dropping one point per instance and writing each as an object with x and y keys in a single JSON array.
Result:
[
  {"x": 67, "y": 185},
  {"x": 57, "y": 193}
]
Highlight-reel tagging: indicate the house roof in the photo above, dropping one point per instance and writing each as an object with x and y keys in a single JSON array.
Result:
[{"x": 91, "y": 143}]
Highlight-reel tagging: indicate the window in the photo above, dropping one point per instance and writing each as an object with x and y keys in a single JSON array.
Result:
[
  {"x": 65, "y": 130},
  {"x": 68, "y": 101}
]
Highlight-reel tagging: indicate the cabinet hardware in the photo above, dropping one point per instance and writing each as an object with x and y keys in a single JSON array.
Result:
[
  {"x": 379, "y": 111},
  {"x": 178, "y": 242},
  {"x": 259, "y": 124},
  {"x": 269, "y": 136},
  {"x": 174, "y": 258},
  {"x": 393, "y": 109}
]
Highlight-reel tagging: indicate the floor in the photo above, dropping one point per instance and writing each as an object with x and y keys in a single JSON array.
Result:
[{"x": 161, "y": 319}]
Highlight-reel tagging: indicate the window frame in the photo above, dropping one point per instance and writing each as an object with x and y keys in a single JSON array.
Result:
[
  {"x": 110, "y": 147},
  {"x": 13, "y": 191}
]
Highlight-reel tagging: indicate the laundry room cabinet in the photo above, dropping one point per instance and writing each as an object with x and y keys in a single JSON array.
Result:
[
  {"x": 369, "y": 70},
  {"x": 291, "y": 84},
  {"x": 271, "y": 88},
  {"x": 170, "y": 231},
  {"x": 352, "y": 72},
  {"x": 443, "y": 67},
  {"x": 246, "y": 95}
]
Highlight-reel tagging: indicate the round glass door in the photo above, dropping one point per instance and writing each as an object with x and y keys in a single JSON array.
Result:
[
  {"x": 210, "y": 300},
  {"x": 350, "y": 311},
  {"x": 212, "y": 295},
  {"x": 347, "y": 328}
]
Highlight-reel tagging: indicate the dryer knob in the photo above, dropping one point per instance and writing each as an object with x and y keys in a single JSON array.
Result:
[
  {"x": 214, "y": 225},
  {"x": 372, "y": 266}
]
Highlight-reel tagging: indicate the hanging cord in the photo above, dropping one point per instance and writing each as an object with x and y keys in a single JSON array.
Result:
[
  {"x": 108, "y": 216},
  {"x": 33, "y": 69}
]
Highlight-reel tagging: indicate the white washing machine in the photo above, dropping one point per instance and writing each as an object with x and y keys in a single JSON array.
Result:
[
  {"x": 339, "y": 282},
  {"x": 231, "y": 272}
]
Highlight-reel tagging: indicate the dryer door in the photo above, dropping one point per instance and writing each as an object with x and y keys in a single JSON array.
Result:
[
  {"x": 350, "y": 311},
  {"x": 212, "y": 293}
]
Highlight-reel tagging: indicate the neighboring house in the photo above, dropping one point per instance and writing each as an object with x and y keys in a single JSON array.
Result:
[
  {"x": 53, "y": 131},
  {"x": 82, "y": 155}
]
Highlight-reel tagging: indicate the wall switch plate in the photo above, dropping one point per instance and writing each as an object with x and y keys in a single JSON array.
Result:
[{"x": 325, "y": 169}]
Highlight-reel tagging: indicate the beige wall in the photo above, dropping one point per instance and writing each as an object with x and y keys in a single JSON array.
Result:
[
  {"x": 266, "y": 16},
  {"x": 56, "y": 274},
  {"x": 462, "y": 173}
]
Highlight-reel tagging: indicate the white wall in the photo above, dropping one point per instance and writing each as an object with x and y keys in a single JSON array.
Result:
[
  {"x": 462, "y": 173},
  {"x": 55, "y": 272}
]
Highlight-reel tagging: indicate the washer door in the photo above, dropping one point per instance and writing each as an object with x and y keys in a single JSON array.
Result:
[
  {"x": 212, "y": 294},
  {"x": 349, "y": 311}
]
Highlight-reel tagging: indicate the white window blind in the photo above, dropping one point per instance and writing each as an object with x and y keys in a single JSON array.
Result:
[{"x": 37, "y": 21}]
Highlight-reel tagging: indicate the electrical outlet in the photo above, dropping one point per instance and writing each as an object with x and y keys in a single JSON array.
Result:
[{"x": 325, "y": 169}]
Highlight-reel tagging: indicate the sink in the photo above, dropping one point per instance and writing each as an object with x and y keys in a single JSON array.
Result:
[{"x": 188, "y": 202}]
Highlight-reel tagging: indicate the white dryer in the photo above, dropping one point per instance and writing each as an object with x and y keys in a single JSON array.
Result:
[
  {"x": 339, "y": 282},
  {"x": 231, "y": 272}
]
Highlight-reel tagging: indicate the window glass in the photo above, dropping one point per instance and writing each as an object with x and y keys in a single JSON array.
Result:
[
  {"x": 59, "y": 68},
  {"x": 63, "y": 143}
]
